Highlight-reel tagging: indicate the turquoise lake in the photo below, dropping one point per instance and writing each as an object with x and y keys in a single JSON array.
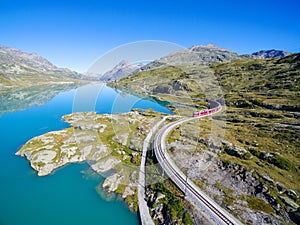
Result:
[{"x": 68, "y": 196}]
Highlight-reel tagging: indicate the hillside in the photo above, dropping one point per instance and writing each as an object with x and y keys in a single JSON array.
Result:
[
  {"x": 256, "y": 173},
  {"x": 194, "y": 56},
  {"x": 268, "y": 83},
  {"x": 274, "y": 82},
  {"x": 18, "y": 68}
]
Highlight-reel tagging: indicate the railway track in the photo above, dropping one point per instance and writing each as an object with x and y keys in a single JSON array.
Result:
[{"x": 192, "y": 192}]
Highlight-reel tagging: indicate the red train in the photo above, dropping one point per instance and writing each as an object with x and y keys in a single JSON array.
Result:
[{"x": 206, "y": 112}]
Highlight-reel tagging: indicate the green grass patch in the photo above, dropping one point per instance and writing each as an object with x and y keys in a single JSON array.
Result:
[{"x": 258, "y": 204}]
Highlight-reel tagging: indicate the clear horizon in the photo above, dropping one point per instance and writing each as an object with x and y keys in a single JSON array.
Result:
[{"x": 73, "y": 34}]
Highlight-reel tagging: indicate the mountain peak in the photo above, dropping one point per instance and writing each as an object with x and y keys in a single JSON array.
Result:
[
  {"x": 195, "y": 55},
  {"x": 209, "y": 47},
  {"x": 273, "y": 53},
  {"x": 124, "y": 62},
  {"x": 122, "y": 69}
]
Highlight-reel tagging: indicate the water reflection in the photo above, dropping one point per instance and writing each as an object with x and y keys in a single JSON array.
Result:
[{"x": 18, "y": 99}]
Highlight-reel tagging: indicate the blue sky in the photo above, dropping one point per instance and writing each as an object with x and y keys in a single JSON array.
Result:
[{"x": 74, "y": 33}]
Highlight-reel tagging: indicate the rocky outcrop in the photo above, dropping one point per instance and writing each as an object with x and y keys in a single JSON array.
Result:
[
  {"x": 156, "y": 208},
  {"x": 112, "y": 182},
  {"x": 290, "y": 203},
  {"x": 292, "y": 194},
  {"x": 105, "y": 165},
  {"x": 295, "y": 216},
  {"x": 128, "y": 191},
  {"x": 236, "y": 150},
  {"x": 293, "y": 108},
  {"x": 162, "y": 89},
  {"x": 274, "y": 158},
  {"x": 233, "y": 186}
]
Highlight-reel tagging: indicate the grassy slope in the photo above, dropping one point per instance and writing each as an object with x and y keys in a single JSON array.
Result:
[
  {"x": 263, "y": 113},
  {"x": 262, "y": 98},
  {"x": 268, "y": 83},
  {"x": 180, "y": 86}
]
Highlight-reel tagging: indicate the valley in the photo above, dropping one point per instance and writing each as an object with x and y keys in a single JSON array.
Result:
[{"x": 245, "y": 158}]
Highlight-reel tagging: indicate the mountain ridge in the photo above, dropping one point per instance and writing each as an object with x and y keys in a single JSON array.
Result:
[
  {"x": 272, "y": 53},
  {"x": 19, "y": 68},
  {"x": 196, "y": 55},
  {"x": 267, "y": 54},
  {"x": 29, "y": 62},
  {"x": 122, "y": 69},
  {"x": 33, "y": 57}
]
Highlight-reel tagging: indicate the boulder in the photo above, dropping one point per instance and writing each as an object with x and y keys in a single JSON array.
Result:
[
  {"x": 289, "y": 202},
  {"x": 112, "y": 182},
  {"x": 236, "y": 150},
  {"x": 281, "y": 188},
  {"x": 159, "y": 196},
  {"x": 292, "y": 194},
  {"x": 128, "y": 191},
  {"x": 267, "y": 178},
  {"x": 295, "y": 216}
]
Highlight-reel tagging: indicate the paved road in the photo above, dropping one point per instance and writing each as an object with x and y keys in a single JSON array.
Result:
[{"x": 193, "y": 193}]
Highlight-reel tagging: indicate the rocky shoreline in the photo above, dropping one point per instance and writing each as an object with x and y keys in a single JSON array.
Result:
[
  {"x": 102, "y": 142},
  {"x": 112, "y": 144}
]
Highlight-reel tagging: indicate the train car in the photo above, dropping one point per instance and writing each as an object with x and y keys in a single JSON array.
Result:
[
  {"x": 217, "y": 107},
  {"x": 201, "y": 113},
  {"x": 196, "y": 114}
]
